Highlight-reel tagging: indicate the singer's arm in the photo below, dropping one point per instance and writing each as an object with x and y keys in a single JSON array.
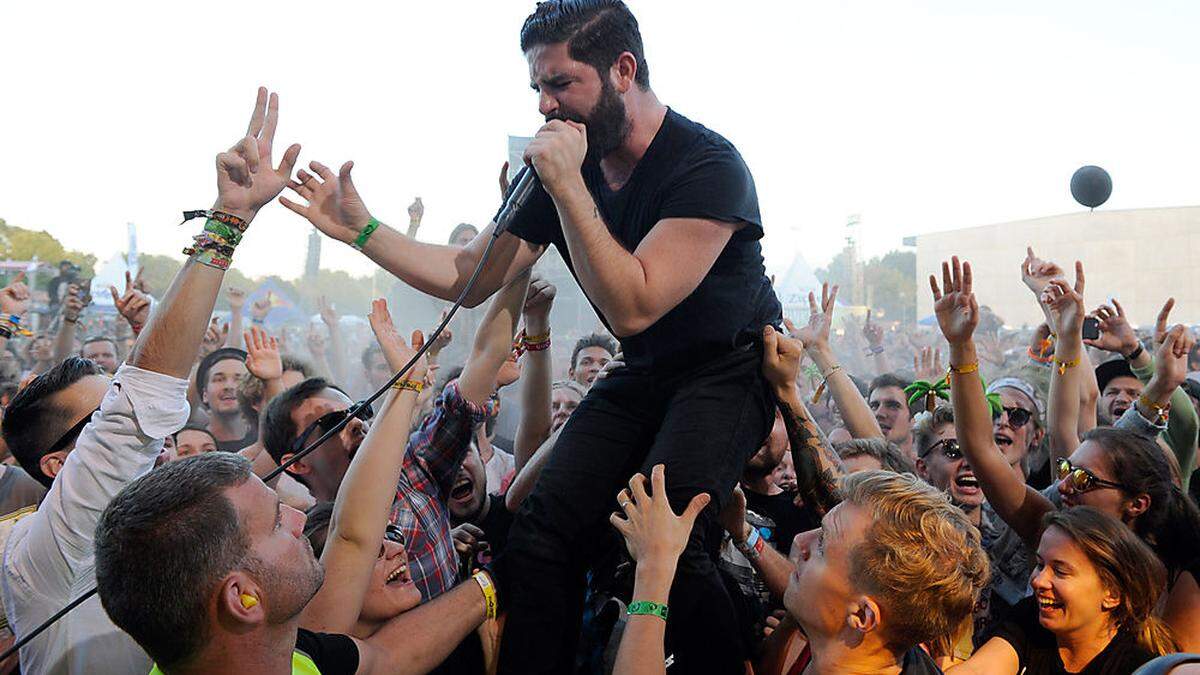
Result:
[{"x": 634, "y": 290}]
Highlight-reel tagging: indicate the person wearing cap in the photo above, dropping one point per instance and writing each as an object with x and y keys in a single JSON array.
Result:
[{"x": 217, "y": 380}]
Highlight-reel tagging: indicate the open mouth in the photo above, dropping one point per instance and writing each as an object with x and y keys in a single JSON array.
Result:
[
  {"x": 1048, "y": 604},
  {"x": 399, "y": 576},
  {"x": 1119, "y": 410},
  {"x": 1003, "y": 440},
  {"x": 967, "y": 483},
  {"x": 461, "y": 490}
]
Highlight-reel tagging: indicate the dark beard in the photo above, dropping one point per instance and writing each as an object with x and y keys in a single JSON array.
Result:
[{"x": 607, "y": 125}]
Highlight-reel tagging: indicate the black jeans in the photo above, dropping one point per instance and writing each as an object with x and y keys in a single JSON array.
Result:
[{"x": 702, "y": 425}]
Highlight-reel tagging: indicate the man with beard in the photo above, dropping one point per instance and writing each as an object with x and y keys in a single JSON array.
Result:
[
  {"x": 657, "y": 218},
  {"x": 217, "y": 379}
]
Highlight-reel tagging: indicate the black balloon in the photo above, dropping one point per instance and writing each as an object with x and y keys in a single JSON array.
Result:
[{"x": 1091, "y": 186}]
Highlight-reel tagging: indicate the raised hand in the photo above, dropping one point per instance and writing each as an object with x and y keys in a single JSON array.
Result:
[
  {"x": 1065, "y": 303},
  {"x": 333, "y": 204},
  {"x": 1170, "y": 361},
  {"x": 539, "y": 299},
  {"x": 444, "y": 338},
  {"x": 246, "y": 179},
  {"x": 781, "y": 358},
  {"x": 872, "y": 333},
  {"x": 957, "y": 310},
  {"x": 815, "y": 335},
  {"x": 328, "y": 313},
  {"x": 928, "y": 364},
  {"x": 259, "y": 309},
  {"x": 469, "y": 541},
  {"x": 316, "y": 342},
  {"x": 1037, "y": 273},
  {"x": 504, "y": 181},
  {"x": 416, "y": 211},
  {"x": 262, "y": 355},
  {"x": 74, "y": 303},
  {"x": 396, "y": 351},
  {"x": 15, "y": 298},
  {"x": 139, "y": 282},
  {"x": 214, "y": 337},
  {"x": 1160, "y": 325},
  {"x": 236, "y": 298},
  {"x": 733, "y": 516},
  {"x": 1116, "y": 335},
  {"x": 653, "y": 533},
  {"x": 133, "y": 304}
]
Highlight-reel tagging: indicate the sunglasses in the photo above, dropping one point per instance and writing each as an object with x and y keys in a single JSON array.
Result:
[
  {"x": 328, "y": 421},
  {"x": 1081, "y": 480},
  {"x": 950, "y": 448},
  {"x": 1017, "y": 417},
  {"x": 72, "y": 434},
  {"x": 393, "y": 533}
]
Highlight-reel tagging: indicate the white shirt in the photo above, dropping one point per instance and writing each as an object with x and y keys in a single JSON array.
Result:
[
  {"x": 49, "y": 558},
  {"x": 497, "y": 469}
]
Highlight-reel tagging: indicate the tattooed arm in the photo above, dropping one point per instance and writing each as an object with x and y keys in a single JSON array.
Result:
[{"x": 818, "y": 468}]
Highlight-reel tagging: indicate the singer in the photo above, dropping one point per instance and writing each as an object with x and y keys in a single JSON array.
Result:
[{"x": 657, "y": 218}]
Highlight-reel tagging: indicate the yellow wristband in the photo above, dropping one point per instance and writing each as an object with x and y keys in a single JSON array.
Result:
[
  {"x": 963, "y": 370},
  {"x": 409, "y": 385},
  {"x": 1063, "y": 365},
  {"x": 489, "y": 592}
]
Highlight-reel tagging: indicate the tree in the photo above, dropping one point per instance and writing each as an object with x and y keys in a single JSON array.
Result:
[
  {"x": 19, "y": 243},
  {"x": 891, "y": 282}
]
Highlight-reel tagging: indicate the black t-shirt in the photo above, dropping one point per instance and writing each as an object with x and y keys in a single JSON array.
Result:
[
  {"x": 1038, "y": 651},
  {"x": 332, "y": 653},
  {"x": 687, "y": 171},
  {"x": 495, "y": 524},
  {"x": 789, "y": 519}
]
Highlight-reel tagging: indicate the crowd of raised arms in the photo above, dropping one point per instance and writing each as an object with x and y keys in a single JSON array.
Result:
[{"x": 968, "y": 498}]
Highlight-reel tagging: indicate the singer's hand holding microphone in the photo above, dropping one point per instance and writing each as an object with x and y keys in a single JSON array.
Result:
[{"x": 557, "y": 152}]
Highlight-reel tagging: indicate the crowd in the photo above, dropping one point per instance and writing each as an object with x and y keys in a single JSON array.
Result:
[{"x": 206, "y": 496}]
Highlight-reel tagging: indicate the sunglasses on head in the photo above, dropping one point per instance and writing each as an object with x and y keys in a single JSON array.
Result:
[
  {"x": 328, "y": 421},
  {"x": 1082, "y": 480},
  {"x": 950, "y": 448},
  {"x": 1017, "y": 417}
]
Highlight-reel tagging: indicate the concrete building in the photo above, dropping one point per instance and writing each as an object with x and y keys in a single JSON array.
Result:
[{"x": 1139, "y": 256}]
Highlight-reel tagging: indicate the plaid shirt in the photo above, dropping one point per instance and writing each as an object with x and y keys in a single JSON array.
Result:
[{"x": 431, "y": 462}]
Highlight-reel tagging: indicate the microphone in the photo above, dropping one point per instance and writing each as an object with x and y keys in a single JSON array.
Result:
[{"x": 518, "y": 196}]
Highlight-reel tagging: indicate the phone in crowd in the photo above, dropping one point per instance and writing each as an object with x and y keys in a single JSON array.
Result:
[
  {"x": 1091, "y": 328},
  {"x": 85, "y": 289}
]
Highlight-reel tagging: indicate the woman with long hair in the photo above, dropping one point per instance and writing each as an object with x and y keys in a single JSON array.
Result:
[
  {"x": 1117, "y": 472},
  {"x": 1095, "y": 586}
]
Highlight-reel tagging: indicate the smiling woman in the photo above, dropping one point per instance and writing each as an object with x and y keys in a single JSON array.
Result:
[{"x": 1095, "y": 587}]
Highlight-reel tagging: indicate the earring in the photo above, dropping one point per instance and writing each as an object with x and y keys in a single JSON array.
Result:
[{"x": 249, "y": 601}]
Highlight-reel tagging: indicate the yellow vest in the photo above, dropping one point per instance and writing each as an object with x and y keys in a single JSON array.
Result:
[{"x": 301, "y": 665}]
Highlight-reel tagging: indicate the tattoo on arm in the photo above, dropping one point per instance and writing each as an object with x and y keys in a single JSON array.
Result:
[{"x": 818, "y": 468}]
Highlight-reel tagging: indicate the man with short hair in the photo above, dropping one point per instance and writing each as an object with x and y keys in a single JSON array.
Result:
[
  {"x": 218, "y": 377},
  {"x": 237, "y": 570},
  {"x": 591, "y": 353},
  {"x": 109, "y": 431},
  {"x": 890, "y": 404},
  {"x": 103, "y": 350},
  {"x": 301, "y": 415}
]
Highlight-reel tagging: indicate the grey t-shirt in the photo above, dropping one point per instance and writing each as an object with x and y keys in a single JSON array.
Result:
[{"x": 18, "y": 489}]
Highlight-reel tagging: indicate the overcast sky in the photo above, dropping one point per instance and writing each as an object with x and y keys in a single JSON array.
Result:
[{"x": 919, "y": 116}]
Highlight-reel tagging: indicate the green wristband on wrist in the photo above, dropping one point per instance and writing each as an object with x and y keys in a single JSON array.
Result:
[
  {"x": 366, "y": 233},
  {"x": 645, "y": 607}
]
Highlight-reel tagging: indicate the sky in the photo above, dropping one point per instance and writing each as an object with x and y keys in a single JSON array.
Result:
[{"x": 916, "y": 116}]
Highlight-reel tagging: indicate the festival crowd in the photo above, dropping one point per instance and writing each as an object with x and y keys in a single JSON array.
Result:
[{"x": 965, "y": 498}]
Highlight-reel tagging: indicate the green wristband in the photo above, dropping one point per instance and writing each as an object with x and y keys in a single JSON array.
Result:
[
  {"x": 645, "y": 607},
  {"x": 366, "y": 233}
]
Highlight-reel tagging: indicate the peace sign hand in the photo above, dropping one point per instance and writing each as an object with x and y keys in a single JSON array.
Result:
[
  {"x": 133, "y": 304},
  {"x": 246, "y": 180},
  {"x": 815, "y": 335}
]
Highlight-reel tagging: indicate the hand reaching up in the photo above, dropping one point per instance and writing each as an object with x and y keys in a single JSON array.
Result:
[
  {"x": 246, "y": 180},
  {"x": 236, "y": 298},
  {"x": 815, "y": 335},
  {"x": 329, "y": 315},
  {"x": 333, "y": 204},
  {"x": 259, "y": 309},
  {"x": 1065, "y": 304},
  {"x": 396, "y": 351},
  {"x": 133, "y": 304},
  {"x": 15, "y": 298},
  {"x": 1171, "y": 359},
  {"x": 262, "y": 355},
  {"x": 928, "y": 364},
  {"x": 1037, "y": 273},
  {"x": 1116, "y": 335},
  {"x": 214, "y": 337},
  {"x": 781, "y": 359},
  {"x": 872, "y": 333},
  {"x": 416, "y": 211},
  {"x": 956, "y": 309},
  {"x": 1160, "y": 325},
  {"x": 654, "y": 535}
]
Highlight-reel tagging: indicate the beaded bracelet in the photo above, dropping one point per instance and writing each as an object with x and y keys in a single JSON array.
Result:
[{"x": 215, "y": 244}]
